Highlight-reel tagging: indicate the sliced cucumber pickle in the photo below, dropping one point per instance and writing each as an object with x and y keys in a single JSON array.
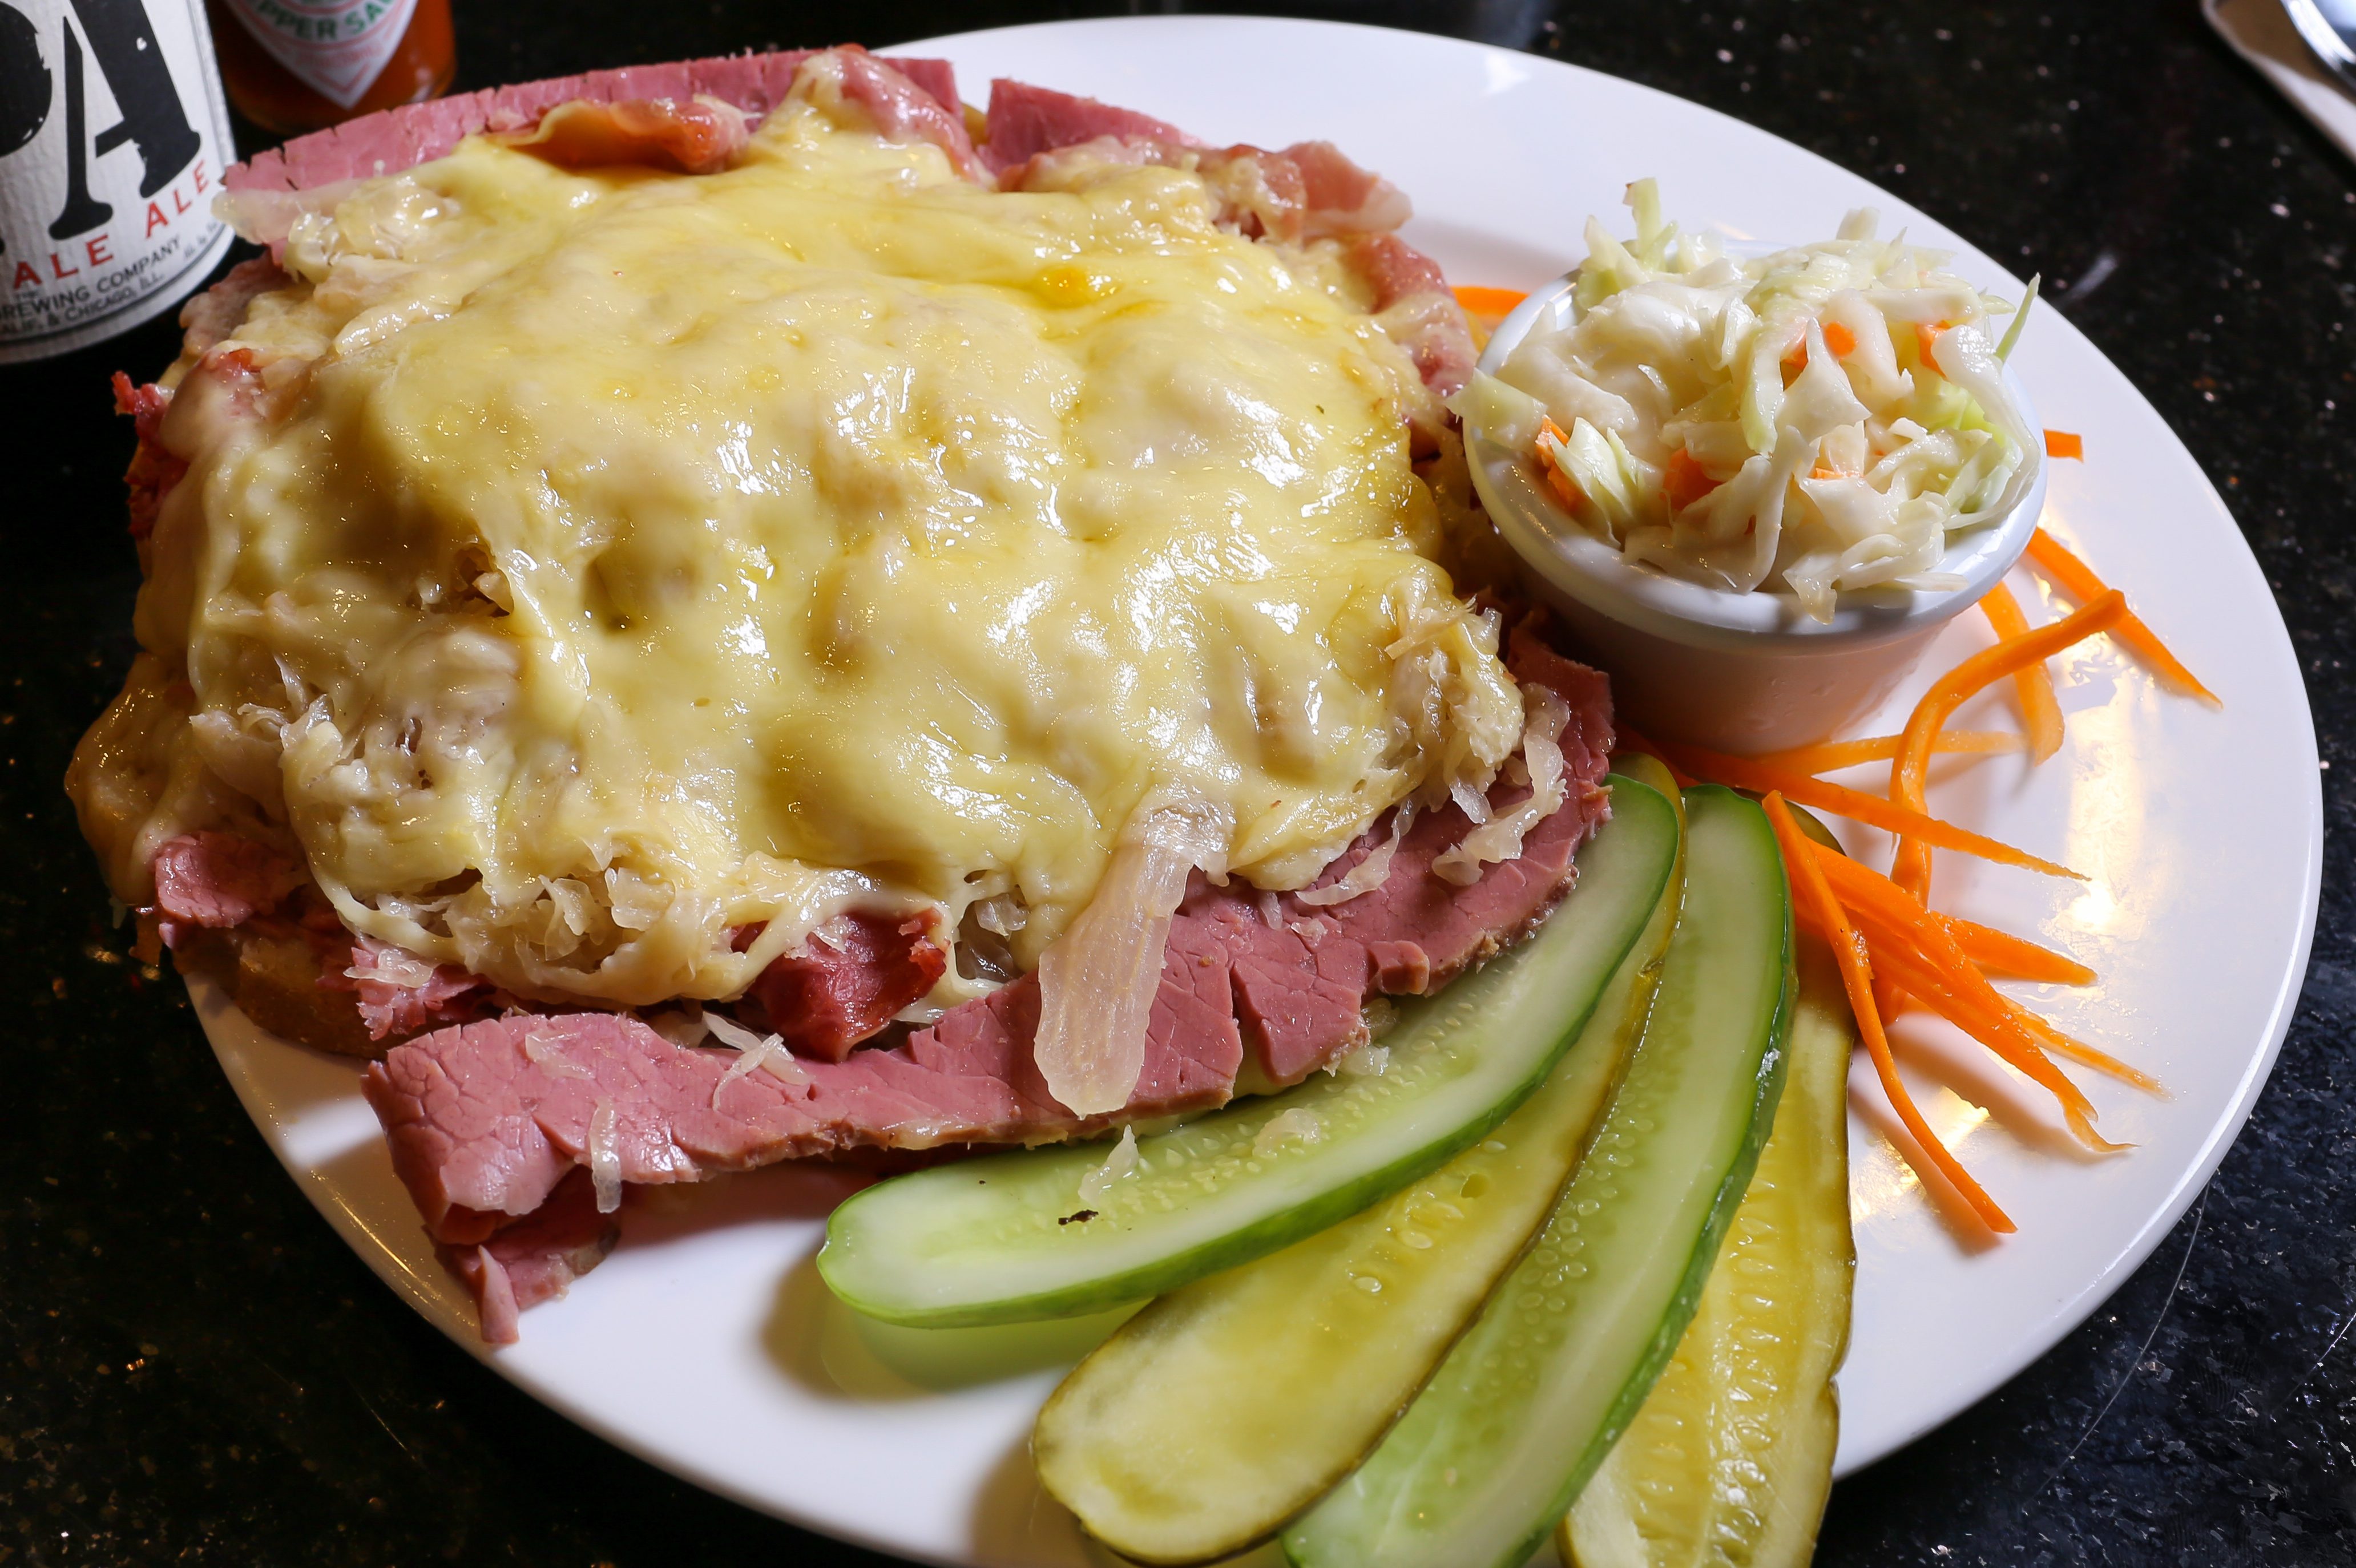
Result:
[
  {"x": 1730, "y": 1460},
  {"x": 1491, "y": 1454},
  {"x": 1227, "y": 1407},
  {"x": 1009, "y": 1238}
]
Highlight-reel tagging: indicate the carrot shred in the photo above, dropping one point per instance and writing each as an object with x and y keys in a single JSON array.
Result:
[
  {"x": 1746, "y": 774},
  {"x": 2040, "y": 710},
  {"x": 1478, "y": 300},
  {"x": 2078, "y": 1050},
  {"x": 1831, "y": 756},
  {"x": 1857, "y": 978},
  {"x": 1911, "y": 869},
  {"x": 1685, "y": 481},
  {"x": 2015, "y": 957},
  {"x": 2061, "y": 443},
  {"x": 2080, "y": 582},
  {"x": 1839, "y": 339},
  {"x": 1565, "y": 490},
  {"x": 2003, "y": 1031},
  {"x": 1926, "y": 342},
  {"x": 1916, "y": 946}
]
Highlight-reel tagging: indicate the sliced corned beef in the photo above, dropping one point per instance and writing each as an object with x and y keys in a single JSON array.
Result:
[
  {"x": 395, "y": 139},
  {"x": 220, "y": 879},
  {"x": 485, "y": 1121},
  {"x": 904, "y": 111},
  {"x": 1337, "y": 197},
  {"x": 536, "y": 1258},
  {"x": 1026, "y": 121},
  {"x": 849, "y": 980},
  {"x": 397, "y": 993},
  {"x": 1421, "y": 312}
]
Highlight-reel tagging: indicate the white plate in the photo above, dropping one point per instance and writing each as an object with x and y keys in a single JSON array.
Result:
[{"x": 706, "y": 1344}]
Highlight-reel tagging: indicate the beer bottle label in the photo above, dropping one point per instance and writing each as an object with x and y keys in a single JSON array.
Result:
[
  {"x": 335, "y": 47},
  {"x": 112, "y": 137}
]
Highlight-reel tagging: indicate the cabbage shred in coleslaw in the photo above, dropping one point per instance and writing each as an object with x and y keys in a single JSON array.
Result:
[{"x": 1821, "y": 418}]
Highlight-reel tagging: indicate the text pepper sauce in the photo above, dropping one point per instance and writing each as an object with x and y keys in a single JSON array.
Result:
[{"x": 293, "y": 65}]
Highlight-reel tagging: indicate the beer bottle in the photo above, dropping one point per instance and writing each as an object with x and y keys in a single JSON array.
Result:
[
  {"x": 113, "y": 139},
  {"x": 297, "y": 65}
]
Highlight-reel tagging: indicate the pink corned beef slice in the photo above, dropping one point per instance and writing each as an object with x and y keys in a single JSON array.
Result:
[
  {"x": 220, "y": 879},
  {"x": 904, "y": 111},
  {"x": 486, "y": 1120},
  {"x": 849, "y": 980},
  {"x": 396, "y": 139},
  {"x": 1339, "y": 197},
  {"x": 533, "y": 1260},
  {"x": 399, "y": 993},
  {"x": 1026, "y": 121}
]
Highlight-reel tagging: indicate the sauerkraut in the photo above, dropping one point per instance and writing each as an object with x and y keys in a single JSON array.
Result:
[{"x": 581, "y": 567}]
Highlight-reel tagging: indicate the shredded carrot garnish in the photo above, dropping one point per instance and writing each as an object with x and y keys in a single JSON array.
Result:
[
  {"x": 1746, "y": 774},
  {"x": 1857, "y": 978},
  {"x": 2061, "y": 1044},
  {"x": 2041, "y": 712},
  {"x": 2003, "y": 1031},
  {"x": 1478, "y": 300},
  {"x": 1839, "y": 339},
  {"x": 1911, "y": 868},
  {"x": 1831, "y": 756},
  {"x": 1909, "y": 940},
  {"x": 2061, "y": 443},
  {"x": 2001, "y": 952},
  {"x": 2083, "y": 585}
]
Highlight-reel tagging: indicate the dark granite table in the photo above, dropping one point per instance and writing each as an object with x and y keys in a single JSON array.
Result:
[{"x": 194, "y": 1370}]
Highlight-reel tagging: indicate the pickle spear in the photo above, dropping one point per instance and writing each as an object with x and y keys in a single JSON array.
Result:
[
  {"x": 1490, "y": 1455},
  {"x": 1225, "y": 1408},
  {"x": 1730, "y": 1460}
]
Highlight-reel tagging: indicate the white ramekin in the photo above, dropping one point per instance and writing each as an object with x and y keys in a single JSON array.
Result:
[{"x": 1734, "y": 672}]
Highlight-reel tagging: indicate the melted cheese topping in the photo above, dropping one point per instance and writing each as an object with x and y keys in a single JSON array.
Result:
[{"x": 605, "y": 561}]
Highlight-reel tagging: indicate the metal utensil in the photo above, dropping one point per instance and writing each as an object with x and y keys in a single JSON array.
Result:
[{"x": 2327, "y": 28}]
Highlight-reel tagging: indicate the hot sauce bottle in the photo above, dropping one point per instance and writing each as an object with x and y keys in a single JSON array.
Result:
[{"x": 293, "y": 65}]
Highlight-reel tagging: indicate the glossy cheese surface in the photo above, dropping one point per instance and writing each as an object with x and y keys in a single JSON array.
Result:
[{"x": 590, "y": 564}]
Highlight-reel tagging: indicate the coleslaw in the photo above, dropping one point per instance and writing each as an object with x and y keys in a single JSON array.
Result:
[{"x": 1819, "y": 419}]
